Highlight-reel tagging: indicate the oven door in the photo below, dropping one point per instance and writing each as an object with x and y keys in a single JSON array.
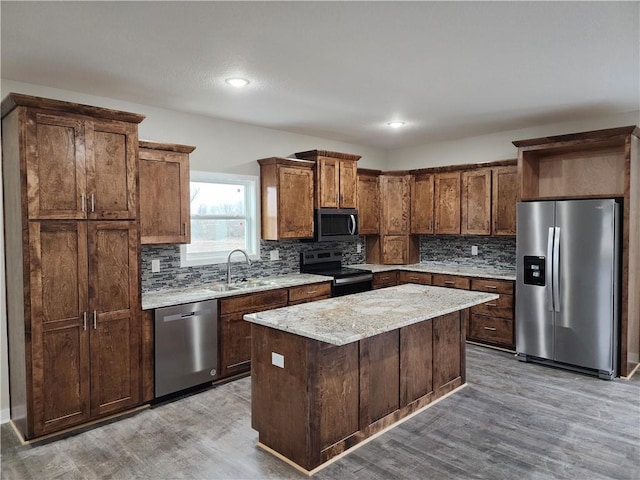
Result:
[{"x": 353, "y": 284}]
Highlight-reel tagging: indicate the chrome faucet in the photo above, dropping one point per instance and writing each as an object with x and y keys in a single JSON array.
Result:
[{"x": 229, "y": 262}]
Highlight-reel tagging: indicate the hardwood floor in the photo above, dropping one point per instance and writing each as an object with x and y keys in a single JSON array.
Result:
[{"x": 513, "y": 420}]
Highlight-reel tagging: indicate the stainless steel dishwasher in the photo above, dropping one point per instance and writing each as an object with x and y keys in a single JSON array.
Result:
[{"x": 186, "y": 346}]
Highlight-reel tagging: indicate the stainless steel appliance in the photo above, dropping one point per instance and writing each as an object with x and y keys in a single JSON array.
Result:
[
  {"x": 335, "y": 224},
  {"x": 186, "y": 346},
  {"x": 329, "y": 262},
  {"x": 567, "y": 284}
]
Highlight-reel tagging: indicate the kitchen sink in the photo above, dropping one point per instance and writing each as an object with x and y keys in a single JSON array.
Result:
[{"x": 223, "y": 287}]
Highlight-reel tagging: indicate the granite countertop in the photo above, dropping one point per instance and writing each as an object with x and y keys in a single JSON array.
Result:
[
  {"x": 167, "y": 298},
  {"x": 445, "y": 268},
  {"x": 350, "y": 318}
]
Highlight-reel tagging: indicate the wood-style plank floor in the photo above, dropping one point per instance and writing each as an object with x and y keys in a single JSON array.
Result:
[{"x": 512, "y": 421}]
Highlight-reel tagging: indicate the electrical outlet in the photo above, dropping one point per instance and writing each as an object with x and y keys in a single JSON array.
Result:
[
  {"x": 277, "y": 359},
  {"x": 359, "y": 248},
  {"x": 474, "y": 250},
  {"x": 274, "y": 255},
  {"x": 155, "y": 265}
]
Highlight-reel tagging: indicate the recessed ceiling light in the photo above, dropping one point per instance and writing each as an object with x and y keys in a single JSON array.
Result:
[
  {"x": 238, "y": 82},
  {"x": 396, "y": 124}
]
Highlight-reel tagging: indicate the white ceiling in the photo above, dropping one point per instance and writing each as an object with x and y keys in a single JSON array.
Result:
[{"x": 340, "y": 70}]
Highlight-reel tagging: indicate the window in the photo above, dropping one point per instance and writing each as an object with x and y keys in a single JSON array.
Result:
[{"x": 224, "y": 216}]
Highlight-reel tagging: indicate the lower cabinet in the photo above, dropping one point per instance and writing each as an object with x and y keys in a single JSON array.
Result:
[
  {"x": 493, "y": 322},
  {"x": 85, "y": 322},
  {"x": 420, "y": 278},
  {"x": 235, "y": 332},
  {"x": 385, "y": 279}
]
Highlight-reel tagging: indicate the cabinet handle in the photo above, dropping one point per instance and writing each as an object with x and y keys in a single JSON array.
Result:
[
  {"x": 449, "y": 282},
  {"x": 491, "y": 287},
  {"x": 83, "y": 201},
  {"x": 312, "y": 292},
  {"x": 430, "y": 224},
  {"x": 95, "y": 320},
  {"x": 93, "y": 203},
  {"x": 491, "y": 304},
  {"x": 184, "y": 226},
  {"x": 84, "y": 320},
  {"x": 492, "y": 329}
]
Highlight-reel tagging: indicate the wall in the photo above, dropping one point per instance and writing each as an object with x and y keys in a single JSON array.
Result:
[
  {"x": 497, "y": 146},
  {"x": 221, "y": 146}
]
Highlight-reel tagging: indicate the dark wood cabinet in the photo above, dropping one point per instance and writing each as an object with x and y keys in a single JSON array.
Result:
[
  {"x": 80, "y": 168},
  {"x": 492, "y": 323},
  {"x": 450, "y": 281},
  {"x": 447, "y": 203},
  {"x": 368, "y": 202},
  {"x": 422, "y": 196},
  {"x": 71, "y": 202},
  {"x": 309, "y": 293},
  {"x": 505, "y": 197},
  {"x": 385, "y": 279},
  {"x": 287, "y": 188},
  {"x": 235, "y": 332},
  {"x": 164, "y": 193},
  {"x": 421, "y": 278},
  {"x": 475, "y": 202},
  {"x": 336, "y": 178}
]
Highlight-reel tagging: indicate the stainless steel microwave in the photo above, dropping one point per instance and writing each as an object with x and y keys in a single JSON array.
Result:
[{"x": 336, "y": 224}]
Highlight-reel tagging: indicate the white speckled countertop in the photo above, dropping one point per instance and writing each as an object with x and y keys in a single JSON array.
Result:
[
  {"x": 167, "y": 298},
  {"x": 350, "y": 318},
  {"x": 446, "y": 268}
]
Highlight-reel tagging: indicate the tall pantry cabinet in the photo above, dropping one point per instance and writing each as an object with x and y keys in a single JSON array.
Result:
[{"x": 71, "y": 231}]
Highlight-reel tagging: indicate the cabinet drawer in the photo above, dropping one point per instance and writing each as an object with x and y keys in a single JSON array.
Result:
[
  {"x": 414, "y": 277},
  {"x": 309, "y": 292},
  {"x": 385, "y": 279},
  {"x": 491, "y": 329},
  {"x": 451, "y": 281},
  {"x": 492, "y": 286},
  {"x": 502, "y": 307},
  {"x": 253, "y": 302}
]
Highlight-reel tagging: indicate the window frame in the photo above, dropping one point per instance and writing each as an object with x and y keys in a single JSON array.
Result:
[{"x": 252, "y": 218}]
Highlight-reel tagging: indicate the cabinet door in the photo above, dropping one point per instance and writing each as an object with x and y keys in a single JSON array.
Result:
[
  {"x": 59, "y": 330},
  {"x": 394, "y": 195},
  {"x": 348, "y": 180},
  {"x": 55, "y": 162},
  {"x": 112, "y": 169},
  {"x": 476, "y": 202},
  {"x": 295, "y": 203},
  {"x": 328, "y": 182},
  {"x": 368, "y": 205},
  {"x": 505, "y": 199},
  {"x": 114, "y": 315},
  {"x": 395, "y": 249},
  {"x": 448, "y": 351},
  {"x": 422, "y": 204},
  {"x": 164, "y": 197},
  {"x": 447, "y": 203}
]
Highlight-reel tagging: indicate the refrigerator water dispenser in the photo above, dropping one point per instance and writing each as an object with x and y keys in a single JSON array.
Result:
[{"x": 534, "y": 271}]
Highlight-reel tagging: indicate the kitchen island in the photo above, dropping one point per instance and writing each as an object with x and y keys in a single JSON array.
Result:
[{"x": 327, "y": 375}]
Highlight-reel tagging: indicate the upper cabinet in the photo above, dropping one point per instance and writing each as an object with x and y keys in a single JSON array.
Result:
[
  {"x": 505, "y": 195},
  {"x": 395, "y": 203},
  {"x": 287, "y": 188},
  {"x": 368, "y": 202},
  {"x": 475, "y": 202},
  {"x": 164, "y": 193},
  {"x": 80, "y": 161},
  {"x": 336, "y": 178},
  {"x": 422, "y": 189},
  {"x": 447, "y": 203}
]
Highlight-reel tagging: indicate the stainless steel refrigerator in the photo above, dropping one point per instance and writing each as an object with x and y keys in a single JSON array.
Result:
[{"x": 567, "y": 284}]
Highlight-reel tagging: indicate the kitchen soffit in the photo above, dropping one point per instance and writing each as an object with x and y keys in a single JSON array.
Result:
[{"x": 340, "y": 70}]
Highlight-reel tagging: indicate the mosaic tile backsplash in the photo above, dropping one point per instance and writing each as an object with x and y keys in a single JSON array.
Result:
[
  {"x": 497, "y": 252},
  {"x": 171, "y": 275},
  {"x": 492, "y": 251}
]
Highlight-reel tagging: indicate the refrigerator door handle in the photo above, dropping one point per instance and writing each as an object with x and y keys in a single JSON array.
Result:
[
  {"x": 549, "y": 270},
  {"x": 556, "y": 269}
]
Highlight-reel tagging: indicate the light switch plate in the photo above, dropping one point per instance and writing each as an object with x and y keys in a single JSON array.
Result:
[
  {"x": 155, "y": 265},
  {"x": 474, "y": 250},
  {"x": 274, "y": 254},
  {"x": 359, "y": 248},
  {"x": 277, "y": 359}
]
